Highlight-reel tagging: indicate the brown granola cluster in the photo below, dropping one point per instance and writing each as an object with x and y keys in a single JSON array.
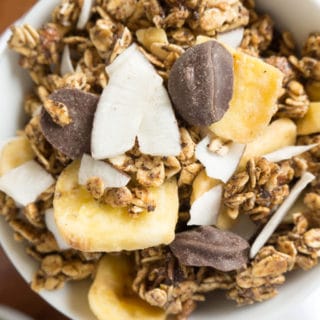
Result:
[
  {"x": 163, "y": 31},
  {"x": 260, "y": 189},
  {"x": 56, "y": 267},
  {"x": 165, "y": 283}
]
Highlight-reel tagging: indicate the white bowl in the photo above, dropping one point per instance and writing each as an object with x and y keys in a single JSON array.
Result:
[{"x": 297, "y": 297}]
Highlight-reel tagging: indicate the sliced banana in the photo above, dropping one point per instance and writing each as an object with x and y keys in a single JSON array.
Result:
[
  {"x": 111, "y": 297},
  {"x": 15, "y": 153},
  {"x": 90, "y": 226}
]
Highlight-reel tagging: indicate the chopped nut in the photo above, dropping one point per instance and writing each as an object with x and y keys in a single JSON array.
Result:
[
  {"x": 96, "y": 187},
  {"x": 151, "y": 171},
  {"x": 117, "y": 197},
  {"x": 142, "y": 201}
]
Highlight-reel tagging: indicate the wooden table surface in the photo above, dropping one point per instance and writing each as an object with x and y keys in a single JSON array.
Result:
[{"x": 14, "y": 292}]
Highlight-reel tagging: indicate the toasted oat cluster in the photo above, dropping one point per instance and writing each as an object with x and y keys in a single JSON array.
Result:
[{"x": 124, "y": 226}]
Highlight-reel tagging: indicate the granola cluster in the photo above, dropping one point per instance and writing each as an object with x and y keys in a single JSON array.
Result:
[
  {"x": 56, "y": 266},
  {"x": 164, "y": 30},
  {"x": 165, "y": 283},
  {"x": 260, "y": 189}
]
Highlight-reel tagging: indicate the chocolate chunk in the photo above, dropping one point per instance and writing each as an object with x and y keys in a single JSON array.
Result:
[
  {"x": 208, "y": 246},
  {"x": 73, "y": 140},
  {"x": 201, "y": 83}
]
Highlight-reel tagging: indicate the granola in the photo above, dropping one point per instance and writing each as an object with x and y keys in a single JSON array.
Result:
[
  {"x": 258, "y": 190},
  {"x": 163, "y": 31}
]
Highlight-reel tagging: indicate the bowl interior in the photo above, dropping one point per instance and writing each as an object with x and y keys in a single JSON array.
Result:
[{"x": 72, "y": 299}]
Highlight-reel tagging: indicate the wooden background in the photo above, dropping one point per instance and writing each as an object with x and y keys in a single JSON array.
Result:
[{"x": 14, "y": 292}]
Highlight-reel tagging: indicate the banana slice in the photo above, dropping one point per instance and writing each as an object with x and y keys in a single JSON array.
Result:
[
  {"x": 15, "y": 153},
  {"x": 110, "y": 296},
  {"x": 90, "y": 226}
]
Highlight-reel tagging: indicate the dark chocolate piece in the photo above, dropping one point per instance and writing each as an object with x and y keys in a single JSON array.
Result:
[
  {"x": 201, "y": 83},
  {"x": 208, "y": 246},
  {"x": 74, "y": 139}
]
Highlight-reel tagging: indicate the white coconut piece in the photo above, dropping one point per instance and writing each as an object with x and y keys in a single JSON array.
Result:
[
  {"x": 205, "y": 210},
  {"x": 111, "y": 177},
  {"x": 278, "y": 216},
  {"x": 52, "y": 227},
  {"x": 25, "y": 183},
  {"x": 66, "y": 62},
  {"x": 133, "y": 56},
  {"x": 288, "y": 152},
  {"x": 117, "y": 119},
  {"x": 217, "y": 166},
  {"x": 85, "y": 13},
  {"x": 124, "y": 103},
  {"x": 231, "y": 38},
  {"x": 159, "y": 132}
]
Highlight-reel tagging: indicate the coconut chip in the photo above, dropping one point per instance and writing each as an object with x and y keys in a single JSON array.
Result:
[
  {"x": 85, "y": 13},
  {"x": 276, "y": 219},
  {"x": 288, "y": 152},
  {"x": 111, "y": 177},
  {"x": 52, "y": 227},
  {"x": 25, "y": 183},
  {"x": 205, "y": 210},
  {"x": 66, "y": 62},
  {"x": 219, "y": 166}
]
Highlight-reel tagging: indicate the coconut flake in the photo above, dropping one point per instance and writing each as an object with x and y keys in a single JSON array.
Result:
[
  {"x": 159, "y": 132},
  {"x": 205, "y": 210},
  {"x": 111, "y": 177},
  {"x": 288, "y": 152},
  {"x": 127, "y": 109},
  {"x": 52, "y": 227},
  {"x": 121, "y": 106},
  {"x": 66, "y": 63},
  {"x": 85, "y": 13},
  {"x": 25, "y": 183},
  {"x": 231, "y": 38},
  {"x": 218, "y": 166},
  {"x": 278, "y": 216}
]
